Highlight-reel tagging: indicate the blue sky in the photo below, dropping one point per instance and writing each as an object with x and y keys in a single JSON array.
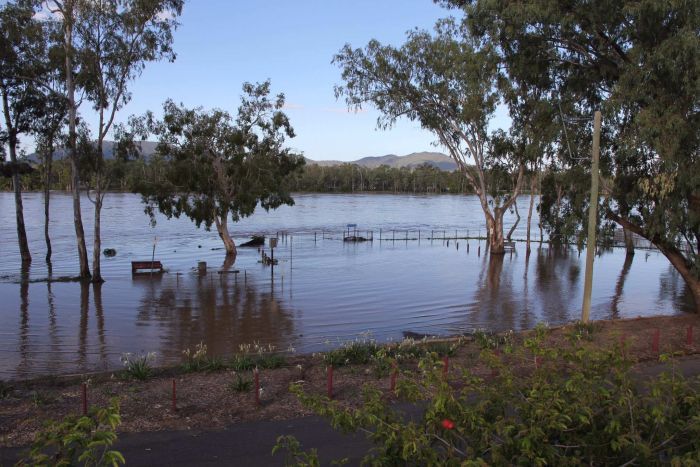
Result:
[{"x": 222, "y": 43}]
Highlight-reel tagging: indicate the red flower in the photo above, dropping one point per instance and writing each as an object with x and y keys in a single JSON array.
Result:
[{"x": 448, "y": 424}]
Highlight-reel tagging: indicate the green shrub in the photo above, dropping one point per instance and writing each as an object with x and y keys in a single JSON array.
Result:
[
  {"x": 489, "y": 340},
  {"x": 581, "y": 331},
  {"x": 239, "y": 384},
  {"x": 270, "y": 362},
  {"x": 242, "y": 362},
  {"x": 78, "y": 440},
  {"x": 138, "y": 366},
  {"x": 442, "y": 349},
  {"x": 214, "y": 363},
  {"x": 5, "y": 390},
  {"x": 352, "y": 353},
  {"x": 576, "y": 406}
]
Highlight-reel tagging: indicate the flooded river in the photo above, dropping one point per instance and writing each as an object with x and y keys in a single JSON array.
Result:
[{"x": 323, "y": 291}]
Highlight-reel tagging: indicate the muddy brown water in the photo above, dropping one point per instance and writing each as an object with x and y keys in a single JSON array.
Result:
[{"x": 323, "y": 291}]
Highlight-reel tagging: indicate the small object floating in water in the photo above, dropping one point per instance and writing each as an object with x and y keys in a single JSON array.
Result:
[
  {"x": 109, "y": 252},
  {"x": 257, "y": 240},
  {"x": 146, "y": 267},
  {"x": 354, "y": 238}
]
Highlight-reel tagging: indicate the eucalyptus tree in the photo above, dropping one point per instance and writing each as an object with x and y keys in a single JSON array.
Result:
[
  {"x": 108, "y": 44},
  {"x": 22, "y": 46},
  {"x": 638, "y": 62},
  {"x": 448, "y": 82},
  {"x": 211, "y": 167}
]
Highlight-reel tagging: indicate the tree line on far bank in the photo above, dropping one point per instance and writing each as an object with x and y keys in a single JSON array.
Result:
[{"x": 131, "y": 175}]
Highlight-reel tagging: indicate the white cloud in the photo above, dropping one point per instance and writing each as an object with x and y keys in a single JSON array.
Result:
[{"x": 292, "y": 106}]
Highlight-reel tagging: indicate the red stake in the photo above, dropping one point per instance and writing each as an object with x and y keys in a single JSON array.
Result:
[
  {"x": 256, "y": 374},
  {"x": 446, "y": 365},
  {"x": 655, "y": 340},
  {"x": 174, "y": 396},
  {"x": 84, "y": 398},
  {"x": 392, "y": 386},
  {"x": 330, "y": 381},
  {"x": 689, "y": 336}
]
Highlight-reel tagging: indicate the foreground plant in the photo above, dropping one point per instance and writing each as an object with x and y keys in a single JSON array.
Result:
[
  {"x": 538, "y": 405},
  {"x": 77, "y": 440},
  {"x": 138, "y": 366}
]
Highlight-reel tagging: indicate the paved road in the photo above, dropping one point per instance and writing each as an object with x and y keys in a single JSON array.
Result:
[
  {"x": 250, "y": 443},
  {"x": 244, "y": 444}
]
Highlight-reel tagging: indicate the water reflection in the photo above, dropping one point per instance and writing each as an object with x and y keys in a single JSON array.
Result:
[
  {"x": 24, "y": 348},
  {"x": 221, "y": 310},
  {"x": 338, "y": 292},
  {"x": 620, "y": 286}
]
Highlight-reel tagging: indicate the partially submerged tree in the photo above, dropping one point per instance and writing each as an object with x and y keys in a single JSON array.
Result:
[
  {"x": 22, "y": 46},
  {"x": 109, "y": 43},
  {"x": 211, "y": 167},
  {"x": 638, "y": 62},
  {"x": 448, "y": 82}
]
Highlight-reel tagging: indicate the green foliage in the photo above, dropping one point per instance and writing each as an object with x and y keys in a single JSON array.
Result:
[
  {"x": 486, "y": 340},
  {"x": 295, "y": 455},
  {"x": 239, "y": 384},
  {"x": 77, "y": 440},
  {"x": 210, "y": 166},
  {"x": 578, "y": 406},
  {"x": 346, "y": 178},
  {"x": 242, "y": 362},
  {"x": 582, "y": 331},
  {"x": 359, "y": 352},
  {"x": 442, "y": 349},
  {"x": 5, "y": 390},
  {"x": 638, "y": 62},
  {"x": 271, "y": 361},
  {"x": 40, "y": 398},
  {"x": 139, "y": 366}
]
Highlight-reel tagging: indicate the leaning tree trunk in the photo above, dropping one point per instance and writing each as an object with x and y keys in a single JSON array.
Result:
[
  {"x": 629, "y": 242},
  {"x": 16, "y": 183},
  {"x": 517, "y": 221},
  {"x": 529, "y": 212},
  {"x": 72, "y": 140},
  {"x": 222, "y": 229}
]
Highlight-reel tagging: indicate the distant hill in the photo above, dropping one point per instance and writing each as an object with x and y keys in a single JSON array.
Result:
[
  {"x": 436, "y": 159},
  {"x": 147, "y": 150}
]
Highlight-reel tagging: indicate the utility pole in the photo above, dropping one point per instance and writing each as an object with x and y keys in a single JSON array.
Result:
[{"x": 592, "y": 221}]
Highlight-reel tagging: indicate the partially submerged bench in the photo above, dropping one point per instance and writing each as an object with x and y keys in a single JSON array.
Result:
[
  {"x": 509, "y": 245},
  {"x": 146, "y": 267}
]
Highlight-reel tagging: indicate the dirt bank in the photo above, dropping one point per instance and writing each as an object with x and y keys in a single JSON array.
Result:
[{"x": 214, "y": 399}]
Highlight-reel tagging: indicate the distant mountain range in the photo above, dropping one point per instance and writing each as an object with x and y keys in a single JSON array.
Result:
[
  {"x": 436, "y": 159},
  {"x": 147, "y": 149}
]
